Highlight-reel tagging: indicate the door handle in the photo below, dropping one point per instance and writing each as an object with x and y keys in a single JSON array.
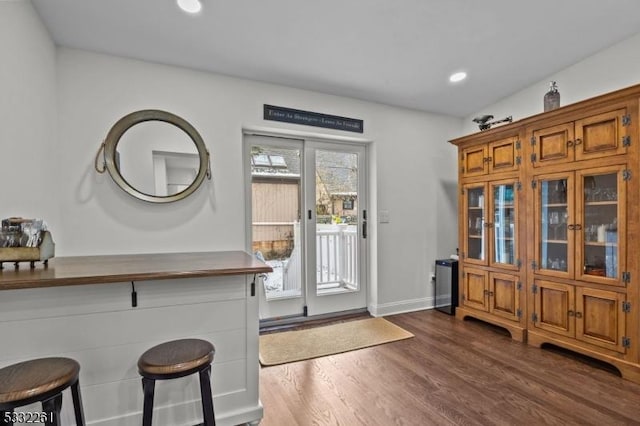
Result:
[
  {"x": 364, "y": 229},
  {"x": 309, "y": 214}
]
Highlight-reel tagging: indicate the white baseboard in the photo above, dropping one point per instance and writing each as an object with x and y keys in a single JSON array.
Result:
[
  {"x": 401, "y": 307},
  {"x": 189, "y": 413}
]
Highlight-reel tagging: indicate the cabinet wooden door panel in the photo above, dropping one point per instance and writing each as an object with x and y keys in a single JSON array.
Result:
[
  {"x": 503, "y": 155},
  {"x": 554, "y": 308},
  {"x": 502, "y": 230},
  {"x": 554, "y": 213},
  {"x": 504, "y": 296},
  {"x": 599, "y": 318},
  {"x": 474, "y": 248},
  {"x": 553, "y": 145},
  {"x": 474, "y": 161},
  {"x": 600, "y": 135},
  {"x": 601, "y": 199},
  {"x": 475, "y": 288}
]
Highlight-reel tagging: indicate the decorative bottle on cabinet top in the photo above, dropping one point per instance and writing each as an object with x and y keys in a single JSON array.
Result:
[{"x": 552, "y": 98}]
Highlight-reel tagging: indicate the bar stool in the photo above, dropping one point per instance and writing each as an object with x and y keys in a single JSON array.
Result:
[
  {"x": 174, "y": 359},
  {"x": 40, "y": 380}
]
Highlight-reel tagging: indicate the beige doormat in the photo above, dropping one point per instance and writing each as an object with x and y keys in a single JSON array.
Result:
[{"x": 290, "y": 346}]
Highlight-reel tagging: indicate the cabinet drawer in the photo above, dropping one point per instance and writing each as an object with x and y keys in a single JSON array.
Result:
[
  {"x": 504, "y": 296},
  {"x": 597, "y": 136},
  {"x": 600, "y": 319},
  {"x": 474, "y": 288},
  {"x": 586, "y": 314},
  {"x": 600, "y": 135},
  {"x": 474, "y": 161},
  {"x": 553, "y": 145},
  {"x": 554, "y": 307},
  {"x": 503, "y": 155}
]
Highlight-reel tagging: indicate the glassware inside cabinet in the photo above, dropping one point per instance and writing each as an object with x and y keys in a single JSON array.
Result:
[
  {"x": 600, "y": 226},
  {"x": 476, "y": 223},
  {"x": 503, "y": 226},
  {"x": 554, "y": 217}
]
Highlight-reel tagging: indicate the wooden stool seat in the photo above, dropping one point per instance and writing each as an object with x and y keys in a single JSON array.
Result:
[
  {"x": 34, "y": 378},
  {"x": 174, "y": 359},
  {"x": 40, "y": 380}
]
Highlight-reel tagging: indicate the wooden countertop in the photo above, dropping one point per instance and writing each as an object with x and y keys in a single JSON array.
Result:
[{"x": 65, "y": 271}]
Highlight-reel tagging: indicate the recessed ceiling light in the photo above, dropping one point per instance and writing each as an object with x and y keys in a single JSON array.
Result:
[
  {"x": 458, "y": 76},
  {"x": 190, "y": 6}
]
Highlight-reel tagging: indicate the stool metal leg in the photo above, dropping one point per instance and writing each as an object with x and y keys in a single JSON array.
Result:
[
  {"x": 207, "y": 398},
  {"x": 148, "y": 386},
  {"x": 53, "y": 406},
  {"x": 77, "y": 403},
  {"x": 5, "y": 417}
]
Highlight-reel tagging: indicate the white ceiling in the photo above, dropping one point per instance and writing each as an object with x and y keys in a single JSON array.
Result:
[{"x": 397, "y": 52}]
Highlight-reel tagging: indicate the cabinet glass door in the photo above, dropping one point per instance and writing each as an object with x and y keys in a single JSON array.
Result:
[
  {"x": 603, "y": 221},
  {"x": 476, "y": 224},
  {"x": 554, "y": 242},
  {"x": 503, "y": 225}
]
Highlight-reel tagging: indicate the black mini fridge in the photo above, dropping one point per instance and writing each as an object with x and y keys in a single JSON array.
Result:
[{"x": 446, "y": 286}]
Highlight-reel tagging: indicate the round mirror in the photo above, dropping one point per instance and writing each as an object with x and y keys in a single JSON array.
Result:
[{"x": 156, "y": 156}]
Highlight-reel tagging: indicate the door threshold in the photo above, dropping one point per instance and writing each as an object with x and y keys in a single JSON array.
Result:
[{"x": 280, "y": 323}]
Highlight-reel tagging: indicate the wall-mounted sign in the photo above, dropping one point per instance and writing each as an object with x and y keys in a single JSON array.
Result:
[{"x": 296, "y": 116}]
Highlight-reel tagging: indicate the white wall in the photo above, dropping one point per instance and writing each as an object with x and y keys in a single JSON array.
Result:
[
  {"x": 410, "y": 173},
  {"x": 28, "y": 132},
  {"x": 614, "y": 68}
]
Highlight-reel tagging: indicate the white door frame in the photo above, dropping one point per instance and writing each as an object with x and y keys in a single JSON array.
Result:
[
  {"x": 286, "y": 306},
  {"x": 270, "y": 310},
  {"x": 343, "y": 300}
]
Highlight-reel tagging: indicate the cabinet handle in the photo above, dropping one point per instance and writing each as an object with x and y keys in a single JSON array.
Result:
[
  {"x": 486, "y": 292},
  {"x": 569, "y": 144},
  {"x": 578, "y": 142},
  {"x": 490, "y": 294},
  {"x": 571, "y": 227},
  {"x": 577, "y": 226},
  {"x": 578, "y": 314},
  {"x": 571, "y": 313}
]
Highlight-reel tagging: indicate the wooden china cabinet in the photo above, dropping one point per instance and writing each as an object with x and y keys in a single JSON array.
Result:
[
  {"x": 549, "y": 228},
  {"x": 490, "y": 221}
]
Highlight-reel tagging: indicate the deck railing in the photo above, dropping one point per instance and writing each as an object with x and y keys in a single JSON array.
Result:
[
  {"x": 336, "y": 255},
  {"x": 336, "y": 258}
]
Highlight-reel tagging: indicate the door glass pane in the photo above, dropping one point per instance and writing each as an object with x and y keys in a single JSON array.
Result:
[
  {"x": 275, "y": 186},
  {"x": 336, "y": 221},
  {"x": 554, "y": 217},
  {"x": 476, "y": 228},
  {"x": 504, "y": 219},
  {"x": 601, "y": 225}
]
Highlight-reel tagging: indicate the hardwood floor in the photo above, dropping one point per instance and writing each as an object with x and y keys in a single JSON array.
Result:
[{"x": 451, "y": 373}]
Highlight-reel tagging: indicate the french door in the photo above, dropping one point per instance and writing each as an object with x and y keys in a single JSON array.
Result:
[{"x": 308, "y": 221}]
